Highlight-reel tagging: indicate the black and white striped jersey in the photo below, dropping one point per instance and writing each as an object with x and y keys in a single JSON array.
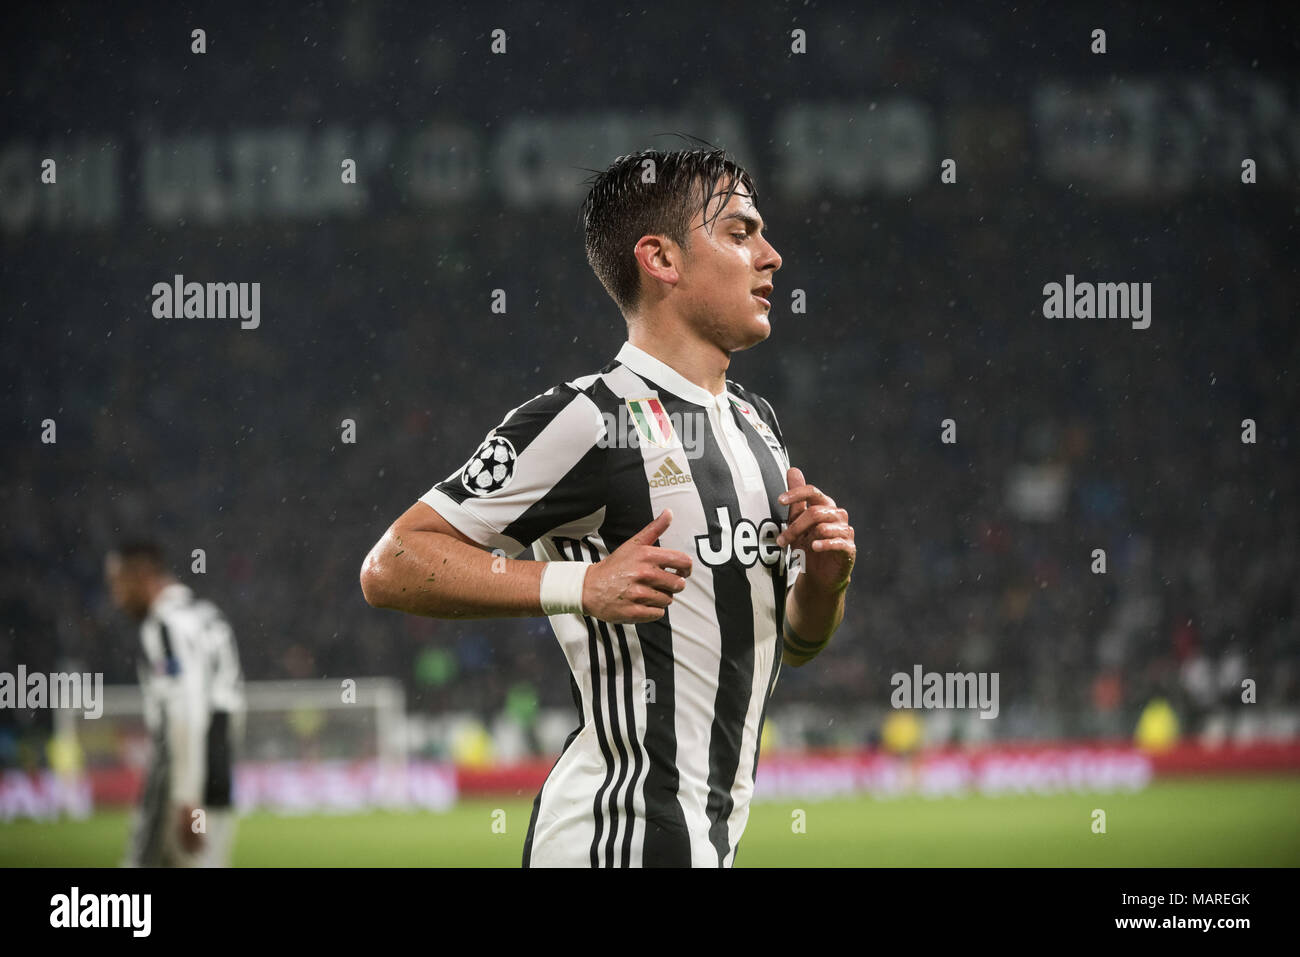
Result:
[
  {"x": 660, "y": 770},
  {"x": 191, "y": 683}
]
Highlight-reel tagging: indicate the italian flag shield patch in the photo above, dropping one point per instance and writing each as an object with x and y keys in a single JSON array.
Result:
[{"x": 652, "y": 422}]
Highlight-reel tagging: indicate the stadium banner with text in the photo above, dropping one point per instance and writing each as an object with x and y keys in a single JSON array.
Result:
[
  {"x": 1050, "y": 767},
  {"x": 1025, "y": 768},
  {"x": 1159, "y": 136},
  {"x": 279, "y": 786}
]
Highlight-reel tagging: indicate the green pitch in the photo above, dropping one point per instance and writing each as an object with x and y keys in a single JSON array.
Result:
[{"x": 1243, "y": 822}]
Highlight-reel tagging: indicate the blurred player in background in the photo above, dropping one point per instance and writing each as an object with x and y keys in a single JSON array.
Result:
[
  {"x": 680, "y": 560},
  {"x": 193, "y": 704}
]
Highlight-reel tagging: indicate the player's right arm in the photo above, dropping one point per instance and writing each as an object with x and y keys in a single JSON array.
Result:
[
  {"x": 425, "y": 566},
  {"x": 451, "y": 555}
]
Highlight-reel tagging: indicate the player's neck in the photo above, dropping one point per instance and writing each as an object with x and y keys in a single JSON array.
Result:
[
  {"x": 156, "y": 587},
  {"x": 697, "y": 361}
]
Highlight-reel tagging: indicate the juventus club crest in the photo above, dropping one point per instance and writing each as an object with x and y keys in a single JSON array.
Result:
[{"x": 760, "y": 426}]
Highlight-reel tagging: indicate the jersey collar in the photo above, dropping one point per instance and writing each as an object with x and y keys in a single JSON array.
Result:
[
  {"x": 665, "y": 376},
  {"x": 171, "y": 594}
]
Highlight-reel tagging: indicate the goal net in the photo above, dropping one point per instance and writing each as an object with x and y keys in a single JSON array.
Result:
[{"x": 303, "y": 746}]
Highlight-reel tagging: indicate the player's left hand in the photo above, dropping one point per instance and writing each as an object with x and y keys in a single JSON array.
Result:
[{"x": 821, "y": 530}]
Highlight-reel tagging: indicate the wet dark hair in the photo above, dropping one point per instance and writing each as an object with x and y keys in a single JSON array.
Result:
[
  {"x": 142, "y": 551},
  {"x": 620, "y": 208}
]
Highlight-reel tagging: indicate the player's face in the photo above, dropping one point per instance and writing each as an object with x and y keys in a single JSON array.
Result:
[
  {"x": 727, "y": 273},
  {"x": 126, "y": 586}
]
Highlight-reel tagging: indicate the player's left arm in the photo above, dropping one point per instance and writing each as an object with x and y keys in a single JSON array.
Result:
[{"x": 820, "y": 531}]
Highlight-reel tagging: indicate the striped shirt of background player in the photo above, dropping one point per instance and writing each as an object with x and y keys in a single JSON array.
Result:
[
  {"x": 190, "y": 681},
  {"x": 691, "y": 755}
]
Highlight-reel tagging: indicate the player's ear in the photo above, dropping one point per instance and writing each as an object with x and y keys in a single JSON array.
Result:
[{"x": 659, "y": 258}]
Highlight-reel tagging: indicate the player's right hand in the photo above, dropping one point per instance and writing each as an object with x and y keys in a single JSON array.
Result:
[
  {"x": 191, "y": 839},
  {"x": 636, "y": 583}
]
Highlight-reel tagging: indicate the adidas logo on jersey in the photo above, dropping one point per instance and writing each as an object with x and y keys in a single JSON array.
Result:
[{"x": 670, "y": 474}]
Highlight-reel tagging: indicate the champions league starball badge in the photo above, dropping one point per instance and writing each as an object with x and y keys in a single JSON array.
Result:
[{"x": 491, "y": 468}]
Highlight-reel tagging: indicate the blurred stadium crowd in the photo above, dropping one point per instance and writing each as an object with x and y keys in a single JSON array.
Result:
[{"x": 1072, "y": 435}]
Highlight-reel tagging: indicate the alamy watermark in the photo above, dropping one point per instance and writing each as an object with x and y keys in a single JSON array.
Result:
[
  {"x": 214, "y": 300},
  {"x": 75, "y": 690},
  {"x": 132, "y": 912},
  {"x": 932, "y": 690},
  {"x": 651, "y": 426},
  {"x": 1102, "y": 300}
]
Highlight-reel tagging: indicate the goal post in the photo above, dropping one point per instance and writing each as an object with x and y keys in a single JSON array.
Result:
[{"x": 302, "y": 745}]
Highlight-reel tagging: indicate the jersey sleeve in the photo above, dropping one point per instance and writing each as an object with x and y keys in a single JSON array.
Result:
[
  {"x": 539, "y": 471},
  {"x": 221, "y": 656}
]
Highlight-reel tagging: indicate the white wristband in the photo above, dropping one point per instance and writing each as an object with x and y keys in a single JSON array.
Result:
[{"x": 562, "y": 587}]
